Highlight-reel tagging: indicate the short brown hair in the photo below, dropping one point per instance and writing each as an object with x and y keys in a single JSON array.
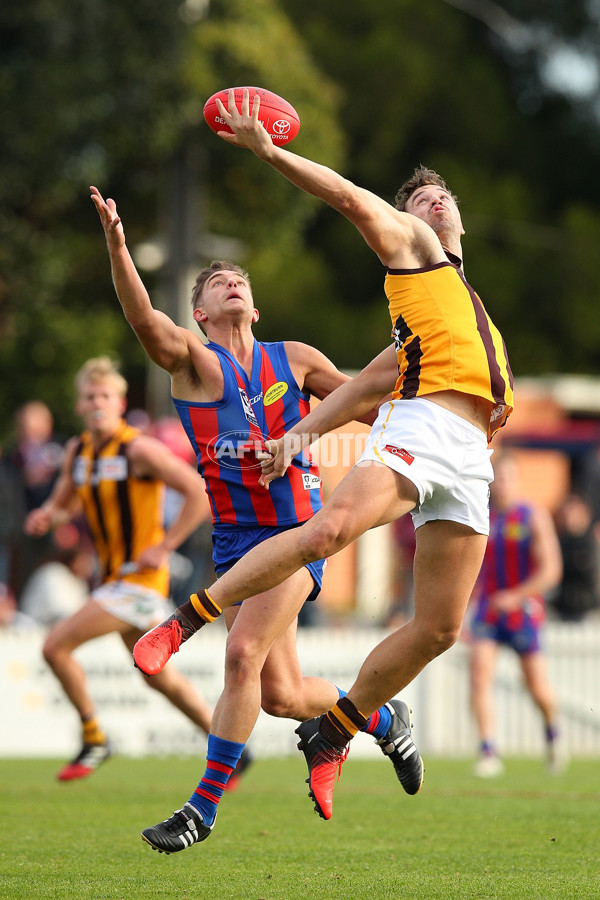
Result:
[
  {"x": 217, "y": 265},
  {"x": 421, "y": 176}
]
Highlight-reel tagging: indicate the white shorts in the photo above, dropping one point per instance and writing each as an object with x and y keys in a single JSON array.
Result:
[
  {"x": 132, "y": 603},
  {"x": 445, "y": 457}
]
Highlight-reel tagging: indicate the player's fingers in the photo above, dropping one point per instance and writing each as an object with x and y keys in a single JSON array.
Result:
[
  {"x": 272, "y": 446},
  {"x": 255, "y": 108},
  {"x": 246, "y": 102},
  {"x": 271, "y": 476},
  {"x": 231, "y": 103},
  {"x": 222, "y": 111}
]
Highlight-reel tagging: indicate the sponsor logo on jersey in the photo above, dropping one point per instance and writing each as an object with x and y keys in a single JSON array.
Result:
[
  {"x": 275, "y": 392},
  {"x": 401, "y": 452},
  {"x": 247, "y": 407},
  {"x": 310, "y": 482},
  {"x": 81, "y": 467},
  {"x": 398, "y": 339},
  {"x": 516, "y": 531},
  {"x": 110, "y": 468}
]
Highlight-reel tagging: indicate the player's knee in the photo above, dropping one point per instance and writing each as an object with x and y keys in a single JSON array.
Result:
[
  {"x": 436, "y": 639},
  {"x": 51, "y": 650},
  {"x": 243, "y": 658},
  {"x": 322, "y": 539},
  {"x": 479, "y": 682},
  {"x": 444, "y": 638},
  {"x": 277, "y": 703}
]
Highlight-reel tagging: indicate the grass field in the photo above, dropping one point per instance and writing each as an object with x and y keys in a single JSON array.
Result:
[{"x": 524, "y": 835}]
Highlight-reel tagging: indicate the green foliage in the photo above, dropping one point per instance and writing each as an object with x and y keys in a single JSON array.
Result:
[
  {"x": 111, "y": 93},
  {"x": 87, "y": 92},
  {"x": 525, "y": 835},
  {"x": 108, "y": 95}
]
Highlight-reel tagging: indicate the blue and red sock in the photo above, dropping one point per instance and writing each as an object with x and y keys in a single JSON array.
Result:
[{"x": 221, "y": 759}]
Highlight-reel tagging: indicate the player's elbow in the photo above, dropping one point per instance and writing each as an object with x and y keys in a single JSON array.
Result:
[{"x": 349, "y": 202}]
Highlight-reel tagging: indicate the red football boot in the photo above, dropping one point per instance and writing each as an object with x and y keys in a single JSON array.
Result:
[
  {"x": 155, "y": 648},
  {"x": 324, "y": 765},
  {"x": 86, "y": 762}
]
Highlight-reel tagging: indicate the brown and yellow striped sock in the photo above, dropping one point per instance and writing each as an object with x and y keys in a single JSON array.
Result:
[
  {"x": 342, "y": 722},
  {"x": 205, "y": 606},
  {"x": 92, "y": 732},
  {"x": 199, "y": 610}
]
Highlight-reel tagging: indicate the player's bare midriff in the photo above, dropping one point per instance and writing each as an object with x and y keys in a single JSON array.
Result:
[{"x": 476, "y": 410}]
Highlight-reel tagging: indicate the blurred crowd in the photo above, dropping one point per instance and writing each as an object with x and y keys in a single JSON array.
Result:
[{"x": 45, "y": 579}]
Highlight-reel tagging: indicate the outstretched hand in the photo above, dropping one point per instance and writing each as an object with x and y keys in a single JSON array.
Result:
[
  {"x": 107, "y": 210},
  {"x": 247, "y": 128}
]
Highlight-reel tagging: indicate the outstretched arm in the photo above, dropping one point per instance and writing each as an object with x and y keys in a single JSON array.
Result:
[
  {"x": 320, "y": 377},
  {"x": 390, "y": 233},
  {"x": 164, "y": 341},
  {"x": 353, "y": 400}
]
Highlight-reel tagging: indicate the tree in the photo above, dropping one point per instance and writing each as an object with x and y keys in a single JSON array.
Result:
[
  {"x": 108, "y": 95},
  {"x": 104, "y": 94}
]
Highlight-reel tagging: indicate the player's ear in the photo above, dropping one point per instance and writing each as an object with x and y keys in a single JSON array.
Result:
[
  {"x": 199, "y": 315},
  {"x": 255, "y": 315}
]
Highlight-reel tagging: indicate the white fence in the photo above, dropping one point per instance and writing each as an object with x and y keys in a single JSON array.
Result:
[{"x": 37, "y": 720}]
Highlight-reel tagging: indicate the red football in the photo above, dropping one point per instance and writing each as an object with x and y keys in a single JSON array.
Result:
[{"x": 277, "y": 115}]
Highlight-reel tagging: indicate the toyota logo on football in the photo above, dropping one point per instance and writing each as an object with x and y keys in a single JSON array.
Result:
[{"x": 281, "y": 126}]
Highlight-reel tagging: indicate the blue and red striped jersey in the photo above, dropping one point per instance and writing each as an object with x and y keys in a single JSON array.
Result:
[
  {"x": 508, "y": 561},
  {"x": 226, "y": 434}
]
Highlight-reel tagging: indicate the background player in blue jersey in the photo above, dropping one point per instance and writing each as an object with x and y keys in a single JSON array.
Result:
[
  {"x": 231, "y": 394},
  {"x": 522, "y": 563}
]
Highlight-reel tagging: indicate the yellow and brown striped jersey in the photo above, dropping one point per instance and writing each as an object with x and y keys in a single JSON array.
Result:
[
  {"x": 124, "y": 513},
  {"x": 445, "y": 340}
]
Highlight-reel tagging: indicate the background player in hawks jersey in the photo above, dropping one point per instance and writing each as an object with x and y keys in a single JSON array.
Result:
[
  {"x": 230, "y": 394},
  {"x": 117, "y": 476},
  {"x": 522, "y": 563},
  {"x": 428, "y": 451}
]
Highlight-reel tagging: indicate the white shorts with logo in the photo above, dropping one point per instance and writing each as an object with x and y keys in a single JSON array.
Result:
[
  {"x": 133, "y": 603},
  {"x": 445, "y": 457}
]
